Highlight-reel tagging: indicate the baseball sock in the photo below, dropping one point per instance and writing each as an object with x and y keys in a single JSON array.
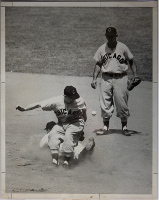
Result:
[
  {"x": 54, "y": 157},
  {"x": 106, "y": 125},
  {"x": 124, "y": 128},
  {"x": 124, "y": 125}
]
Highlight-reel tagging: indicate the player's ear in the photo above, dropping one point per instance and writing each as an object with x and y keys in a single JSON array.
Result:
[{"x": 116, "y": 35}]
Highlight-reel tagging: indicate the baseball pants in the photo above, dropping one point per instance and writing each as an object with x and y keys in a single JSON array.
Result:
[
  {"x": 67, "y": 134},
  {"x": 113, "y": 90}
]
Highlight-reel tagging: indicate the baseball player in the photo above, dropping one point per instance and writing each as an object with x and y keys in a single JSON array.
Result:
[
  {"x": 77, "y": 150},
  {"x": 112, "y": 60},
  {"x": 70, "y": 110}
]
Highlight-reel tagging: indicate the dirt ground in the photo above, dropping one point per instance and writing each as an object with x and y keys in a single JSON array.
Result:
[{"x": 118, "y": 165}]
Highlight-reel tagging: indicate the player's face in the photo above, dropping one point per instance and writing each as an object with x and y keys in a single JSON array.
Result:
[
  {"x": 69, "y": 99},
  {"x": 111, "y": 41},
  {"x": 111, "y": 38}
]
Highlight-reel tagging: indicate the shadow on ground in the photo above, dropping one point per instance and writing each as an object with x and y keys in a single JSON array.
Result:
[{"x": 116, "y": 131}]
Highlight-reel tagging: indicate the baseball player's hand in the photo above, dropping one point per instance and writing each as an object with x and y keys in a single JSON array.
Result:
[
  {"x": 20, "y": 108},
  {"x": 94, "y": 84}
]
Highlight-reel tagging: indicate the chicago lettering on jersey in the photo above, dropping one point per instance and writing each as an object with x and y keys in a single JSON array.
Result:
[
  {"x": 77, "y": 112},
  {"x": 65, "y": 112},
  {"x": 118, "y": 57},
  {"x": 61, "y": 112},
  {"x": 74, "y": 114}
]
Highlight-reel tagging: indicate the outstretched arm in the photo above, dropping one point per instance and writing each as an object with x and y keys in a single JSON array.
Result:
[{"x": 29, "y": 107}]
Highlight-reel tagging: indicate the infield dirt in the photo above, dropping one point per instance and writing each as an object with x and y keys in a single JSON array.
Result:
[{"x": 118, "y": 165}]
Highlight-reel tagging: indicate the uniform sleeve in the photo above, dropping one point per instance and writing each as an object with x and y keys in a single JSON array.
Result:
[
  {"x": 128, "y": 54},
  {"x": 48, "y": 105},
  {"x": 81, "y": 104},
  {"x": 97, "y": 56}
]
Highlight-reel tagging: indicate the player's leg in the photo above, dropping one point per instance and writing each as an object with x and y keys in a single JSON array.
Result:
[
  {"x": 89, "y": 146},
  {"x": 78, "y": 149},
  {"x": 72, "y": 135},
  {"x": 55, "y": 138},
  {"x": 121, "y": 96},
  {"x": 106, "y": 101}
]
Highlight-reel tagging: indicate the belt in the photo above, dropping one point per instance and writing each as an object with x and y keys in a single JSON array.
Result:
[{"x": 115, "y": 74}]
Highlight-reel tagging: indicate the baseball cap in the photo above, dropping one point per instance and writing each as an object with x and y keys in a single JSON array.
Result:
[
  {"x": 50, "y": 125},
  {"x": 111, "y": 31},
  {"x": 71, "y": 91}
]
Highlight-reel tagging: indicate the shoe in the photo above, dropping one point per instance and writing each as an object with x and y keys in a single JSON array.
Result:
[
  {"x": 55, "y": 162},
  {"x": 103, "y": 131},
  {"x": 65, "y": 163},
  {"x": 126, "y": 132},
  {"x": 91, "y": 144}
]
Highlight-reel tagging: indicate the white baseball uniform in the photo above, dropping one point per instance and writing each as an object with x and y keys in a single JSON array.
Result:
[
  {"x": 114, "y": 80},
  {"x": 70, "y": 122}
]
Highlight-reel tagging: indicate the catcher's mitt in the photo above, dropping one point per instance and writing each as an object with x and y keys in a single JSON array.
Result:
[{"x": 133, "y": 82}]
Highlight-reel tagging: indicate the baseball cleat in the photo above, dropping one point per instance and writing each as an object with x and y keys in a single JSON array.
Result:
[
  {"x": 91, "y": 144},
  {"x": 65, "y": 163},
  {"x": 126, "y": 132},
  {"x": 55, "y": 162}
]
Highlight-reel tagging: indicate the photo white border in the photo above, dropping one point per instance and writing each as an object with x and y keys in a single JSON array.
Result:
[{"x": 154, "y": 195}]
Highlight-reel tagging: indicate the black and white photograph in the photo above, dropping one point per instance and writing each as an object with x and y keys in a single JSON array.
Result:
[{"x": 80, "y": 108}]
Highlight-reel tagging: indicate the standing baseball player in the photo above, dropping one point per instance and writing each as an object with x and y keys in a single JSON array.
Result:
[
  {"x": 113, "y": 59},
  {"x": 70, "y": 110}
]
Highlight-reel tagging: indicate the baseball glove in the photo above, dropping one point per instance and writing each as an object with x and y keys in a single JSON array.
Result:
[
  {"x": 133, "y": 82},
  {"x": 82, "y": 137},
  {"x": 91, "y": 144}
]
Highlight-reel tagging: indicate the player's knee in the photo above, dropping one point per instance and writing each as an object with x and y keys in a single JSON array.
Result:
[{"x": 53, "y": 145}]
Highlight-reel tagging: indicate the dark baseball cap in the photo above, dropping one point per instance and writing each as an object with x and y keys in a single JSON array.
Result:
[
  {"x": 71, "y": 91},
  {"x": 111, "y": 31},
  {"x": 50, "y": 125}
]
